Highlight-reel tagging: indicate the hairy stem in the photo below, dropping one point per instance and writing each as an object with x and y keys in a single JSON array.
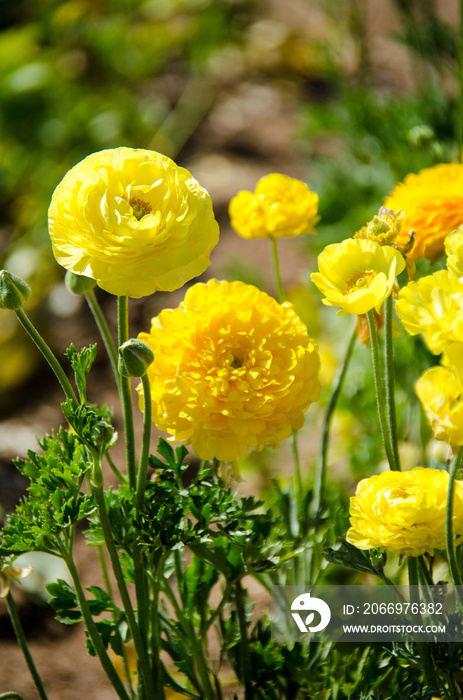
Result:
[
  {"x": 276, "y": 267},
  {"x": 100, "y": 321},
  {"x": 47, "y": 353},
  {"x": 18, "y": 630},
  {"x": 389, "y": 377},
  {"x": 124, "y": 382}
]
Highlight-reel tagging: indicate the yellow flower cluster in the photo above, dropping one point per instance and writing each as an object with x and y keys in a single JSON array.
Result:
[
  {"x": 433, "y": 202},
  {"x": 433, "y": 306},
  {"x": 404, "y": 512},
  {"x": 133, "y": 221},
  {"x": 280, "y": 207},
  {"x": 357, "y": 275},
  {"x": 233, "y": 370}
]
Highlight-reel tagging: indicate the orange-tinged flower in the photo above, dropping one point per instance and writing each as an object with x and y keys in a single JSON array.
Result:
[
  {"x": 404, "y": 512},
  {"x": 132, "y": 220},
  {"x": 433, "y": 204},
  {"x": 280, "y": 207},
  {"x": 233, "y": 370}
]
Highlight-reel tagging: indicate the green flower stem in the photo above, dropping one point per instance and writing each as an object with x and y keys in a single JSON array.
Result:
[
  {"x": 320, "y": 474},
  {"x": 276, "y": 267},
  {"x": 47, "y": 353},
  {"x": 297, "y": 466},
  {"x": 246, "y": 673},
  {"x": 453, "y": 565},
  {"x": 115, "y": 470},
  {"x": 143, "y": 660},
  {"x": 389, "y": 377},
  {"x": 424, "y": 650},
  {"x": 93, "y": 630},
  {"x": 11, "y": 696},
  {"x": 146, "y": 442},
  {"x": 195, "y": 644},
  {"x": 155, "y": 626},
  {"x": 18, "y": 630},
  {"x": 108, "y": 586},
  {"x": 100, "y": 321},
  {"x": 379, "y": 390},
  {"x": 124, "y": 382}
]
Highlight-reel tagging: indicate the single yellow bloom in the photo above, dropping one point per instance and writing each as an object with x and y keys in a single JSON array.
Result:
[
  {"x": 433, "y": 203},
  {"x": 439, "y": 393},
  {"x": 404, "y": 512},
  {"x": 433, "y": 306},
  {"x": 357, "y": 275},
  {"x": 280, "y": 207},
  {"x": 233, "y": 370},
  {"x": 454, "y": 251},
  {"x": 133, "y": 221}
]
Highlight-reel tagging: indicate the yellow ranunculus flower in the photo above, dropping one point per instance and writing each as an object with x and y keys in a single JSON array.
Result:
[
  {"x": 454, "y": 251},
  {"x": 357, "y": 274},
  {"x": 233, "y": 370},
  {"x": 132, "y": 220},
  {"x": 280, "y": 207},
  {"x": 404, "y": 512},
  {"x": 440, "y": 395},
  {"x": 433, "y": 203},
  {"x": 433, "y": 306}
]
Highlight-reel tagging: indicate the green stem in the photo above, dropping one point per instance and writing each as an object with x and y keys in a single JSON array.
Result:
[
  {"x": 47, "y": 353},
  {"x": 379, "y": 389},
  {"x": 11, "y": 696},
  {"x": 276, "y": 267},
  {"x": 100, "y": 321},
  {"x": 115, "y": 470},
  {"x": 454, "y": 570},
  {"x": 320, "y": 474},
  {"x": 244, "y": 641},
  {"x": 124, "y": 382},
  {"x": 194, "y": 642},
  {"x": 389, "y": 377},
  {"x": 297, "y": 466},
  {"x": 143, "y": 660},
  {"x": 423, "y": 647},
  {"x": 155, "y": 626},
  {"x": 93, "y": 630},
  {"x": 146, "y": 441},
  {"x": 18, "y": 630}
]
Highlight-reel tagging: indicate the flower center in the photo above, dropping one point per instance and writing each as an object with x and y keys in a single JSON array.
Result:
[
  {"x": 236, "y": 363},
  {"x": 139, "y": 208},
  {"x": 360, "y": 280}
]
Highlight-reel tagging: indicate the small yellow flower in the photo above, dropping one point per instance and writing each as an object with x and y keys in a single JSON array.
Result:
[
  {"x": 433, "y": 306},
  {"x": 233, "y": 370},
  {"x": 280, "y": 207},
  {"x": 433, "y": 203},
  {"x": 133, "y": 221},
  {"x": 357, "y": 275},
  {"x": 454, "y": 251},
  {"x": 440, "y": 395},
  {"x": 404, "y": 512},
  {"x": 11, "y": 573}
]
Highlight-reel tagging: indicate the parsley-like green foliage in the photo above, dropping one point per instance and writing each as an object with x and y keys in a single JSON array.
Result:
[
  {"x": 55, "y": 500},
  {"x": 81, "y": 363}
]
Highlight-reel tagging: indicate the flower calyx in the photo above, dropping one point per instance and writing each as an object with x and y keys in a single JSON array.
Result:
[
  {"x": 14, "y": 292},
  {"x": 135, "y": 357}
]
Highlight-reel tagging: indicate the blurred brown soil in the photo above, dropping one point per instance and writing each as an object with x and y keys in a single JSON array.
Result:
[{"x": 249, "y": 132}]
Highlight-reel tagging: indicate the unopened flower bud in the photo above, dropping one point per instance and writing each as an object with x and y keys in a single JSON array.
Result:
[
  {"x": 103, "y": 434},
  {"x": 134, "y": 358},
  {"x": 78, "y": 284},
  {"x": 14, "y": 292}
]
